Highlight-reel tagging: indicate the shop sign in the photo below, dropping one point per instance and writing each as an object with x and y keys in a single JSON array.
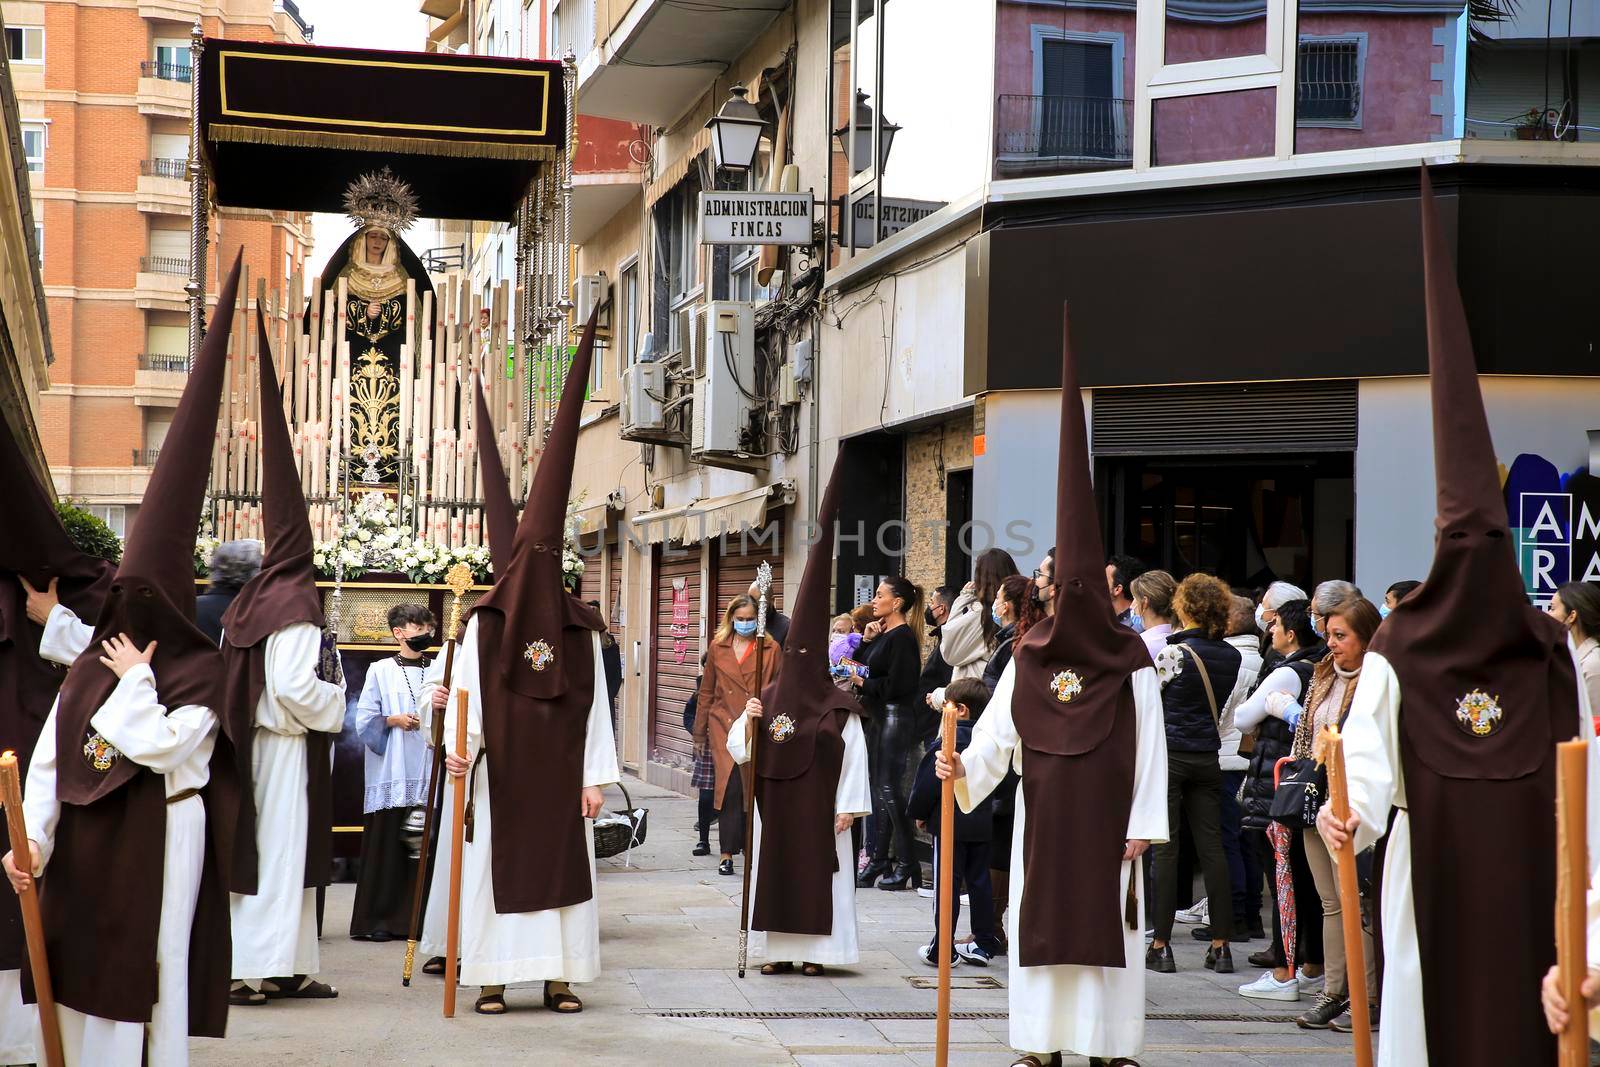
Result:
[
  {"x": 1558, "y": 538},
  {"x": 728, "y": 218},
  {"x": 680, "y": 620}
]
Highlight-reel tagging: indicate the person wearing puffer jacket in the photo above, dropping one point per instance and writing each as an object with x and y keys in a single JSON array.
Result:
[{"x": 968, "y": 637}]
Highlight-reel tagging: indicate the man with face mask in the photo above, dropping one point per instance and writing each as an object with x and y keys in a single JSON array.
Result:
[
  {"x": 935, "y": 671},
  {"x": 389, "y": 720}
]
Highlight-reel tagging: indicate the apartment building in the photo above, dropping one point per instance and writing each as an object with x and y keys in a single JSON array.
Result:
[
  {"x": 24, "y": 332},
  {"x": 104, "y": 97}
]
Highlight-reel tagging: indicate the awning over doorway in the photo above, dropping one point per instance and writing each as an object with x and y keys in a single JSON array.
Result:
[{"x": 692, "y": 523}]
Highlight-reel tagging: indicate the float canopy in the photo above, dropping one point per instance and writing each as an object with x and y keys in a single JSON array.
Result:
[{"x": 288, "y": 127}]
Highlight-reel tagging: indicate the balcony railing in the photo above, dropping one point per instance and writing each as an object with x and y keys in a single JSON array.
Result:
[
  {"x": 171, "y": 364},
  {"x": 168, "y": 72},
  {"x": 165, "y": 168},
  {"x": 146, "y": 457},
  {"x": 1069, "y": 131},
  {"x": 445, "y": 257},
  {"x": 178, "y": 265}
]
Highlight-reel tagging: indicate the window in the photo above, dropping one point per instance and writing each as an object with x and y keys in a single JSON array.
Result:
[
  {"x": 627, "y": 314},
  {"x": 25, "y": 44},
  {"x": 113, "y": 515},
  {"x": 38, "y": 244},
  {"x": 33, "y": 142},
  {"x": 1328, "y": 82},
  {"x": 1079, "y": 115},
  {"x": 172, "y": 59},
  {"x": 676, "y": 278}
]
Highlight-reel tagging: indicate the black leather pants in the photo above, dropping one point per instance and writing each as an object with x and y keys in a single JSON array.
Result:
[{"x": 891, "y": 744}]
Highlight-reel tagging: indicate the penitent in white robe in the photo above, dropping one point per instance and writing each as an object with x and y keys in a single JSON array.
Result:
[
  {"x": 852, "y": 796},
  {"x": 558, "y": 945},
  {"x": 1093, "y": 1011},
  {"x": 178, "y": 746},
  {"x": 63, "y": 641},
  {"x": 1377, "y": 783},
  {"x": 65, "y": 636},
  {"x": 275, "y": 931}
]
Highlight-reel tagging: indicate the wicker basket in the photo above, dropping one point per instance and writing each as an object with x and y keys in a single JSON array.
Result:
[{"x": 622, "y": 830}]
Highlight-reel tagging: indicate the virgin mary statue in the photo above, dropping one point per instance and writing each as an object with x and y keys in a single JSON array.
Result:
[{"x": 376, "y": 264}]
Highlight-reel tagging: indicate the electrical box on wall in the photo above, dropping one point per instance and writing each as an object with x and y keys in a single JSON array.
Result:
[
  {"x": 588, "y": 293},
  {"x": 800, "y": 360},
  {"x": 725, "y": 391}
]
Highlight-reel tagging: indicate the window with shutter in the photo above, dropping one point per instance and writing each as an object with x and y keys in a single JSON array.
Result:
[
  {"x": 1328, "y": 82},
  {"x": 1078, "y": 113}
]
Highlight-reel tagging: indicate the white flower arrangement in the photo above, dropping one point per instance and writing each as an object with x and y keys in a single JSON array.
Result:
[{"x": 204, "y": 545}]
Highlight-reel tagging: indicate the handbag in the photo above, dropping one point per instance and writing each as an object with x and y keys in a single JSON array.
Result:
[{"x": 1300, "y": 785}]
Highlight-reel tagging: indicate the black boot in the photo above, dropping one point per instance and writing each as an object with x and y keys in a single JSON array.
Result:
[
  {"x": 905, "y": 876},
  {"x": 874, "y": 870},
  {"x": 1160, "y": 960}
]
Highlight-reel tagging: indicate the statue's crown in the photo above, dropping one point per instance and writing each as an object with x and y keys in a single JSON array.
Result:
[{"x": 378, "y": 198}]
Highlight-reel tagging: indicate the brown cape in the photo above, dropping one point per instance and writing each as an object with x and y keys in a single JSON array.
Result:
[
  {"x": 798, "y": 763},
  {"x": 102, "y": 945},
  {"x": 1074, "y": 710},
  {"x": 536, "y": 671},
  {"x": 1487, "y": 688},
  {"x": 282, "y": 593}
]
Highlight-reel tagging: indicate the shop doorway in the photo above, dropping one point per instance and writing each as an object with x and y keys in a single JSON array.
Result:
[
  {"x": 1249, "y": 519},
  {"x": 959, "y": 537}
]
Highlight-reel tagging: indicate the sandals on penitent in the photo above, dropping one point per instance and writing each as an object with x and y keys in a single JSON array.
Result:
[
  {"x": 308, "y": 989},
  {"x": 812, "y": 970},
  {"x": 491, "y": 1004},
  {"x": 1032, "y": 1060},
  {"x": 242, "y": 995},
  {"x": 563, "y": 1002},
  {"x": 783, "y": 967}
]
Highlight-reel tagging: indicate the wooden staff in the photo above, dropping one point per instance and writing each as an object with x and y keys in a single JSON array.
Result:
[
  {"x": 458, "y": 832},
  {"x": 32, "y": 922},
  {"x": 763, "y": 583},
  {"x": 459, "y": 579},
  {"x": 947, "y": 882},
  {"x": 1572, "y": 884},
  {"x": 1350, "y": 901}
]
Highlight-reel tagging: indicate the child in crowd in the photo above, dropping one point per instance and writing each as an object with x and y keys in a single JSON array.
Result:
[
  {"x": 974, "y": 835},
  {"x": 389, "y": 720}
]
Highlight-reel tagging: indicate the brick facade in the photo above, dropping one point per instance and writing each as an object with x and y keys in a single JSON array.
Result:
[
  {"x": 98, "y": 212},
  {"x": 930, "y": 455}
]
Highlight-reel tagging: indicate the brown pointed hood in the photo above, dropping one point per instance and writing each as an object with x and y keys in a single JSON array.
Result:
[
  {"x": 153, "y": 596},
  {"x": 1439, "y": 656},
  {"x": 803, "y": 690},
  {"x": 35, "y": 546},
  {"x": 1081, "y": 652},
  {"x": 499, "y": 510},
  {"x": 284, "y": 591},
  {"x": 529, "y": 594}
]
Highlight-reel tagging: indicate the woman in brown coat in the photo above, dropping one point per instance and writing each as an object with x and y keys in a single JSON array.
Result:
[{"x": 728, "y": 682}]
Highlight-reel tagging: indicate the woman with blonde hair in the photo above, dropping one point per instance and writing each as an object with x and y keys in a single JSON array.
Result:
[{"x": 729, "y": 681}]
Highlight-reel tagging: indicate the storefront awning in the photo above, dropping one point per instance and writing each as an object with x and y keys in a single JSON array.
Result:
[{"x": 714, "y": 516}]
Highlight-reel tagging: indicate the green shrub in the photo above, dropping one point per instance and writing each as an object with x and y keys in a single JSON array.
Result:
[{"x": 88, "y": 533}]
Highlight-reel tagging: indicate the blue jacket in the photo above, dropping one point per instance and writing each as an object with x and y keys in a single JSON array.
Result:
[{"x": 976, "y": 825}]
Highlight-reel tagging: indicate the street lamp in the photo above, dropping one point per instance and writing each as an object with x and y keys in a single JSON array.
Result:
[
  {"x": 856, "y": 138},
  {"x": 736, "y": 131}
]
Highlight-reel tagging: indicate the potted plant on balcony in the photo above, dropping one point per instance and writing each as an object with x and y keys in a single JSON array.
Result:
[{"x": 1533, "y": 125}]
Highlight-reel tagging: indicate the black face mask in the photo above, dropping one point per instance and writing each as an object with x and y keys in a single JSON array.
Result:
[
  {"x": 928, "y": 617},
  {"x": 419, "y": 643}
]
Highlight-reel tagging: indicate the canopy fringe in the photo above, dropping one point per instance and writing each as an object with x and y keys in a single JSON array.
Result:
[{"x": 422, "y": 146}]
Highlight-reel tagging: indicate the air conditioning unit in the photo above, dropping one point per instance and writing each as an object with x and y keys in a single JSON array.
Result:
[
  {"x": 642, "y": 385},
  {"x": 588, "y": 293},
  {"x": 725, "y": 389},
  {"x": 694, "y": 340}
]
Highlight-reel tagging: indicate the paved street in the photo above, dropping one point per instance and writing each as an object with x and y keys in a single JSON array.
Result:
[{"x": 670, "y": 994}]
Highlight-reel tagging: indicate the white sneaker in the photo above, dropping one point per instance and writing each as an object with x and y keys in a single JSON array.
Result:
[
  {"x": 1307, "y": 984},
  {"x": 1269, "y": 988},
  {"x": 1199, "y": 915}
]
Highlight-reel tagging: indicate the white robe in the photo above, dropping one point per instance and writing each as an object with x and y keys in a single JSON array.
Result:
[
  {"x": 396, "y": 759},
  {"x": 178, "y": 746},
  {"x": 851, "y": 796},
  {"x": 558, "y": 945},
  {"x": 275, "y": 931},
  {"x": 65, "y": 636},
  {"x": 1093, "y": 1011},
  {"x": 1377, "y": 783},
  {"x": 63, "y": 641}
]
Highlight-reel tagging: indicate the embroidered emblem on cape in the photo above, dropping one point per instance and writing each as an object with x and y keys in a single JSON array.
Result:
[
  {"x": 1479, "y": 714},
  {"x": 99, "y": 753},
  {"x": 781, "y": 728},
  {"x": 1066, "y": 685},
  {"x": 539, "y": 655}
]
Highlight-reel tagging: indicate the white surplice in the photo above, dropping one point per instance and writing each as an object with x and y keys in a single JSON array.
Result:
[
  {"x": 65, "y": 636},
  {"x": 178, "y": 746},
  {"x": 396, "y": 759},
  {"x": 1093, "y": 1011},
  {"x": 1377, "y": 784},
  {"x": 851, "y": 796},
  {"x": 558, "y": 945},
  {"x": 275, "y": 931}
]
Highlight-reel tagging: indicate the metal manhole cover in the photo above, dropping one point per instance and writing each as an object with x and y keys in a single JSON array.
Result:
[{"x": 978, "y": 981}]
